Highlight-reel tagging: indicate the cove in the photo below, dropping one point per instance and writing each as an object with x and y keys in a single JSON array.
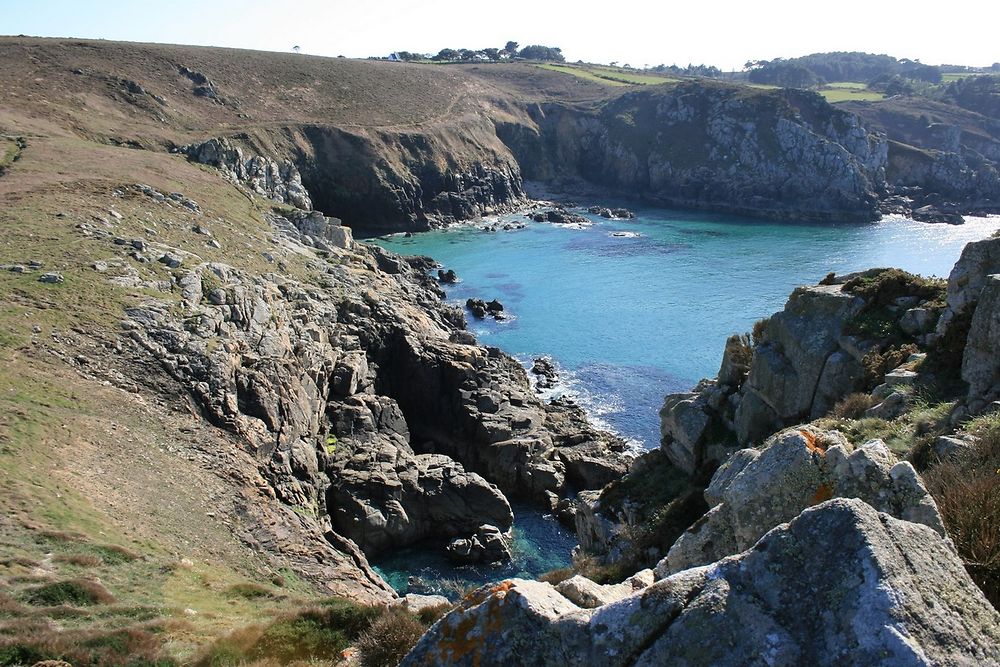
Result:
[
  {"x": 631, "y": 310},
  {"x": 631, "y": 318}
]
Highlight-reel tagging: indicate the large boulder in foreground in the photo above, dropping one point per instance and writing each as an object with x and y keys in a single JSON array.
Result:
[
  {"x": 842, "y": 584},
  {"x": 755, "y": 490}
]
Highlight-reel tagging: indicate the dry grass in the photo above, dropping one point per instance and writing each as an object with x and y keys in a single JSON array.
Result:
[
  {"x": 389, "y": 639},
  {"x": 853, "y": 406},
  {"x": 967, "y": 491}
]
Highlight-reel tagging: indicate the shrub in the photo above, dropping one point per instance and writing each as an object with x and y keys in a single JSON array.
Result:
[
  {"x": 557, "y": 576},
  {"x": 320, "y": 632},
  {"x": 853, "y": 406},
  {"x": 757, "y": 333},
  {"x": 249, "y": 591},
  {"x": 79, "y": 592},
  {"x": 967, "y": 492},
  {"x": 80, "y": 560},
  {"x": 128, "y": 647},
  {"x": 389, "y": 639}
]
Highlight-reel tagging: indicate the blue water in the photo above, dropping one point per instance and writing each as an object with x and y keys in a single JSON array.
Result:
[
  {"x": 540, "y": 544},
  {"x": 629, "y": 319}
]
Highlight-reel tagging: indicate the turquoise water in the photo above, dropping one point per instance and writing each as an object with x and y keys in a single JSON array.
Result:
[
  {"x": 540, "y": 544},
  {"x": 631, "y": 318}
]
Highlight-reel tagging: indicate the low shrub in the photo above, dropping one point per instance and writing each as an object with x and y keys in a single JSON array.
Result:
[
  {"x": 966, "y": 489},
  {"x": 557, "y": 576},
  {"x": 319, "y": 632},
  {"x": 853, "y": 406},
  {"x": 77, "y": 592},
  {"x": 80, "y": 560},
  {"x": 127, "y": 647},
  {"x": 389, "y": 638},
  {"x": 249, "y": 591}
]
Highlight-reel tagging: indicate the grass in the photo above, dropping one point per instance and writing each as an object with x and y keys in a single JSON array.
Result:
[
  {"x": 609, "y": 76},
  {"x": 835, "y": 95},
  {"x": 323, "y": 632}
]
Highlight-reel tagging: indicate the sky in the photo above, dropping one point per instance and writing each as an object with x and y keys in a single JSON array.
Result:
[{"x": 714, "y": 32}]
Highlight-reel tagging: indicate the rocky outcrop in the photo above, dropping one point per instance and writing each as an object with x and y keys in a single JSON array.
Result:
[
  {"x": 756, "y": 490},
  {"x": 265, "y": 176},
  {"x": 827, "y": 343},
  {"x": 361, "y": 410},
  {"x": 785, "y": 154},
  {"x": 889, "y": 591},
  {"x": 941, "y": 157}
]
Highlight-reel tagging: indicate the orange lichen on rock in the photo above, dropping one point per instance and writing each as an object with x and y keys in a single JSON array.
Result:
[
  {"x": 813, "y": 443},
  {"x": 476, "y": 627},
  {"x": 823, "y": 493}
]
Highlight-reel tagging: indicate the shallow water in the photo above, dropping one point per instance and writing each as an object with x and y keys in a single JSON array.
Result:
[
  {"x": 540, "y": 544},
  {"x": 631, "y": 318}
]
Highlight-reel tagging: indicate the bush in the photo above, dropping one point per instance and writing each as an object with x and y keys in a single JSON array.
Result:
[
  {"x": 78, "y": 592},
  {"x": 389, "y": 639},
  {"x": 967, "y": 492},
  {"x": 249, "y": 591},
  {"x": 128, "y": 647},
  {"x": 557, "y": 576},
  {"x": 757, "y": 333},
  {"x": 320, "y": 632},
  {"x": 853, "y": 406}
]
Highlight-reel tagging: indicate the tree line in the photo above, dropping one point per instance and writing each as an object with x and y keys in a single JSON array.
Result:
[{"x": 510, "y": 51}]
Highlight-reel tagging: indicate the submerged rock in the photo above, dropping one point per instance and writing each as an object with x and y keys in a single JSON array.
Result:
[{"x": 842, "y": 584}]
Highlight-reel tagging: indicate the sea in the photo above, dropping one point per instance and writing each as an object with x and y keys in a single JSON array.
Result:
[{"x": 631, "y": 310}]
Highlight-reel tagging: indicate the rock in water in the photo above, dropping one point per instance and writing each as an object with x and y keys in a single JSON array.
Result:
[{"x": 842, "y": 584}]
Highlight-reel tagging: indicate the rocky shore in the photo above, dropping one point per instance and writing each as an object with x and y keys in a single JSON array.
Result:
[{"x": 802, "y": 513}]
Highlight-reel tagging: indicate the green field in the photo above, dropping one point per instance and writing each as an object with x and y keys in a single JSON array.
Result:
[
  {"x": 610, "y": 76},
  {"x": 849, "y": 91}
]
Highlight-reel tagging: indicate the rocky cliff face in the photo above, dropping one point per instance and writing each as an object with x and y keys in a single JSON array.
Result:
[
  {"x": 830, "y": 340},
  {"x": 784, "y": 154},
  {"x": 940, "y": 155},
  {"x": 376, "y": 180},
  {"x": 367, "y": 405}
]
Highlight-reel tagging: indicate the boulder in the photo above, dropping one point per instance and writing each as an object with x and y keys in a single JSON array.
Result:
[
  {"x": 385, "y": 496},
  {"x": 980, "y": 361},
  {"x": 841, "y": 584},
  {"x": 488, "y": 545},
  {"x": 796, "y": 469}
]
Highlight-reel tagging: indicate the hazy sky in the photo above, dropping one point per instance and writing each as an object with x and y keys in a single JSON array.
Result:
[{"x": 721, "y": 33}]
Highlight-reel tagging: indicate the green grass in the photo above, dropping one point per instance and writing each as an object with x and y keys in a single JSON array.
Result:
[
  {"x": 609, "y": 76},
  {"x": 10, "y": 152},
  {"x": 848, "y": 91}
]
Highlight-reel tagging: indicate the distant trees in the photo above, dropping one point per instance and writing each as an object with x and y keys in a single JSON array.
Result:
[
  {"x": 539, "y": 52},
  {"x": 509, "y": 51},
  {"x": 710, "y": 71},
  {"x": 819, "y": 68}
]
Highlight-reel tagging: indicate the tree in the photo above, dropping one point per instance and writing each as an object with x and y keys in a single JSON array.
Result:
[
  {"x": 446, "y": 54},
  {"x": 510, "y": 48},
  {"x": 539, "y": 52},
  {"x": 492, "y": 54}
]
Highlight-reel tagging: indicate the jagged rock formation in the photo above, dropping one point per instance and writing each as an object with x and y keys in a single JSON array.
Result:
[
  {"x": 821, "y": 347},
  {"x": 359, "y": 407},
  {"x": 757, "y": 489},
  {"x": 771, "y": 153},
  {"x": 270, "y": 178},
  {"x": 940, "y": 155},
  {"x": 842, "y": 584}
]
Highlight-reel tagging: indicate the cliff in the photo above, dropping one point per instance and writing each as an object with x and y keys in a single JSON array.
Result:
[{"x": 779, "y": 154}]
